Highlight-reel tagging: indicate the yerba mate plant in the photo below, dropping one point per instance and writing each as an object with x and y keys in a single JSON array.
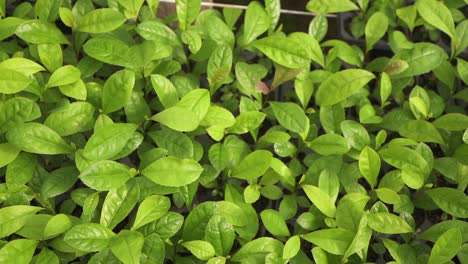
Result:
[{"x": 213, "y": 136}]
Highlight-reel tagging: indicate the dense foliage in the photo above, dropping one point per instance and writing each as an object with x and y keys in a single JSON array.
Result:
[{"x": 213, "y": 136}]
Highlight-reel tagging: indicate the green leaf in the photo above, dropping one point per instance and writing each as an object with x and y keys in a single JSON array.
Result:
[
  {"x": 388, "y": 196},
  {"x": 231, "y": 16},
  {"x": 37, "y": 138},
  {"x": 414, "y": 167},
  {"x": 376, "y": 27},
  {"x": 310, "y": 45},
  {"x": 438, "y": 15},
  {"x": 51, "y": 56},
  {"x": 198, "y": 101},
  {"x": 355, "y": 133},
  {"x": 90, "y": 204},
  {"x": 461, "y": 37},
  {"x": 462, "y": 68},
  {"x": 451, "y": 201},
  {"x": 257, "y": 249},
  {"x": 176, "y": 143},
  {"x": 187, "y": 12},
  {"x": 66, "y": 15},
  {"x": 200, "y": 249},
  {"x": 309, "y": 221},
  {"x": 151, "y": 209},
  {"x": 178, "y": 118},
  {"x": 100, "y": 21},
  {"x": 169, "y": 224},
  {"x": 320, "y": 256},
  {"x": 76, "y": 90},
  {"x": 118, "y": 204},
  {"x": 40, "y": 32},
  {"x": 12, "y": 218},
  {"x": 291, "y": 247},
  {"x": 218, "y": 156},
  {"x": 34, "y": 226},
  {"x": 117, "y": 90},
  {"x": 332, "y": 6},
  {"x": 247, "y": 121},
  {"x": 127, "y": 246},
  {"x": 108, "y": 49},
  {"x": 157, "y": 31},
  {"x": 12, "y": 81},
  {"x": 330, "y": 144},
  {"x": 408, "y": 15},
  {"x": 284, "y": 51},
  {"x": 452, "y": 122},
  {"x": 304, "y": 88},
  {"x": 446, "y": 246},
  {"x": 422, "y": 58},
  {"x": 108, "y": 141},
  {"x": 341, "y": 85},
  {"x": 434, "y": 232},
  {"x": 59, "y": 181},
  {"x": 274, "y": 222},
  {"x": 88, "y": 237},
  {"x": 291, "y": 116},
  {"x": 421, "y": 131},
  {"x": 256, "y": 22},
  {"x": 153, "y": 250},
  {"x": 388, "y": 223},
  {"x": 57, "y": 225},
  {"x": 173, "y": 172},
  {"x": 193, "y": 40},
  {"x": 18, "y": 251},
  {"x": 47, "y": 257},
  {"x": 20, "y": 170},
  {"x": 385, "y": 87},
  {"x": 220, "y": 234},
  {"x": 219, "y": 66},
  {"x": 8, "y": 153},
  {"x": 47, "y": 10},
  {"x": 17, "y": 110},
  {"x": 369, "y": 165},
  {"x": 218, "y": 115},
  {"x": 320, "y": 199},
  {"x": 335, "y": 241},
  {"x": 253, "y": 165},
  {"x": 329, "y": 183},
  {"x": 165, "y": 90},
  {"x": 273, "y": 9},
  {"x": 318, "y": 27},
  {"x": 25, "y": 66},
  {"x": 105, "y": 175},
  {"x": 8, "y": 26},
  {"x": 65, "y": 75},
  {"x": 71, "y": 119},
  {"x": 252, "y": 193},
  {"x": 214, "y": 28},
  {"x": 233, "y": 213},
  {"x": 279, "y": 167},
  {"x": 361, "y": 239},
  {"x": 331, "y": 118}
]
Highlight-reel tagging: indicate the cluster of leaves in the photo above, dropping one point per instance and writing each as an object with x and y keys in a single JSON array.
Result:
[{"x": 127, "y": 138}]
